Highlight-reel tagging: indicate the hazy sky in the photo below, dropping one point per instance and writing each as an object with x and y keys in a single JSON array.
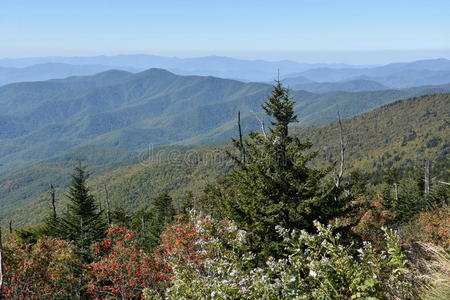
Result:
[{"x": 352, "y": 31}]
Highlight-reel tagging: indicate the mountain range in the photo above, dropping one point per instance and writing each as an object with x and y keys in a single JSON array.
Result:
[
  {"x": 357, "y": 85},
  {"x": 310, "y": 77},
  {"x": 47, "y": 71},
  {"x": 220, "y": 66},
  {"x": 400, "y": 135},
  {"x": 131, "y": 111},
  {"x": 396, "y": 75}
]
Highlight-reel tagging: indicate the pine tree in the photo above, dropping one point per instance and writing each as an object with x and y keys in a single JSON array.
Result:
[
  {"x": 82, "y": 223},
  {"x": 273, "y": 183}
]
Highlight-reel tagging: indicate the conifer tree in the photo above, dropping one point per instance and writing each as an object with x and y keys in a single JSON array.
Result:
[
  {"x": 273, "y": 183},
  {"x": 121, "y": 217},
  {"x": 82, "y": 222},
  {"x": 161, "y": 214}
]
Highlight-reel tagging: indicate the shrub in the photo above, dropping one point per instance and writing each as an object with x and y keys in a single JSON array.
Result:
[
  {"x": 122, "y": 269},
  {"x": 430, "y": 226},
  {"x": 45, "y": 270},
  {"x": 319, "y": 266}
]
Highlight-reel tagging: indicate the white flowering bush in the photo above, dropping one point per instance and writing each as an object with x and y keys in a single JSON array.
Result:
[{"x": 317, "y": 266}]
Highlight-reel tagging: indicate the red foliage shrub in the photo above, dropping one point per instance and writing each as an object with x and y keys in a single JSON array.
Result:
[
  {"x": 122, "y": 269},
  {"x": 45, "y": 270},
  {"x": 370, "y": 218}
]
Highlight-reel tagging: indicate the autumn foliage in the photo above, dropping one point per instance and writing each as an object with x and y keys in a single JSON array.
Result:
[
  {"x": 370, "y": 217},
  {"x": 48, "y": 269},
  {"x": 123, "y": 269}
]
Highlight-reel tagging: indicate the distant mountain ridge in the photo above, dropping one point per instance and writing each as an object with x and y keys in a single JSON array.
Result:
[
  {"x": 356, "y": 85},
  {"x": 46, "y": 71},
  {"x": 219, "y": 66},
  {"x": 396, "y": 75}
]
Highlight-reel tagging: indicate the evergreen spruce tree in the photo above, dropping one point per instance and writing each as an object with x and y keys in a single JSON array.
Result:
[
  {"x": 121, "y": 217},
  {"x": 187, "y": 203},
  {"x": 162, "y": 212},
  {"x": 82, "y": 222},
  {"x": 273, "y": 183}
]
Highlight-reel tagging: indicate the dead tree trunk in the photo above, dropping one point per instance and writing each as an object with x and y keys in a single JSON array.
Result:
[
  {"x": 53, "y": 199},
  {"x": 396, "y": 192},
  {"x": 241, "y": 141},
  {"x": 10, "y": 227},
  {"x": 142, "y": 224},
  {"x": 427, "y": 178},
  {"x": 342, "y": 153},
  {"x": 108, "y": 216}
]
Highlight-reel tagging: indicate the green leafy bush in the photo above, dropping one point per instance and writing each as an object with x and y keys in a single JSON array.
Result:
[{"x": 319, "y": 266}]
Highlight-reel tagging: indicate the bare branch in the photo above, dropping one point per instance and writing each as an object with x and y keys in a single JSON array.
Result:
[
  {"x": 261, "y": 124},
  {"x": 443, "y": 182}
]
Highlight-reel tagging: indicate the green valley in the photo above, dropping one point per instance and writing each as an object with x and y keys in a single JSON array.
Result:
[{"x": 400, "y": 135}]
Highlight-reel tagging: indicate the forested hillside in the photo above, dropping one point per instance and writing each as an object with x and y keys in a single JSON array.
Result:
[
  {"x": 40, "y": 120},
  {"x": 269, "y": 219},
  {"x": 401, "y": 135}
]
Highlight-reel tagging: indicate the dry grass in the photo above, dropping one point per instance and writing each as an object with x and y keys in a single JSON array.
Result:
[{"x": 438, "y": 278}]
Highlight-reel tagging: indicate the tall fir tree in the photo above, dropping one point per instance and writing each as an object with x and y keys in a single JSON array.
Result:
[
  {"x": 273, "y": 183},
  {"x": 83, "y": 222},
  {"x": 161, "y": 214}
]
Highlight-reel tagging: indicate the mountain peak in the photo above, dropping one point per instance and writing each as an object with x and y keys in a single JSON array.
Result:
[{"x": 156, "y": 72}]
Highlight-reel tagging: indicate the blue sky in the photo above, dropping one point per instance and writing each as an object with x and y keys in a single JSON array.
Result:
[{"x": 354, "y": 31}]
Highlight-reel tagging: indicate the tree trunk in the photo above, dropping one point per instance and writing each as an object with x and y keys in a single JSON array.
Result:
[
  {"x": 342, "y": 152},
  {"x": 396, "y": 192},
  {"x": 108, "y": 216},
  {"x": 427, "y": 178},
  {"x": 53, "y": 200}
]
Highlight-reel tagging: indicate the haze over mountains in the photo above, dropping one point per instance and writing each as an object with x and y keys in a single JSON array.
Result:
[
  {"x": 318, "y": 78},
  {"x": 51, "y": 70},
  {"x": 226, "y": 67}
]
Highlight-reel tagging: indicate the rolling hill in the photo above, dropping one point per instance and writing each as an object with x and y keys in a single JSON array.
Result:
[
  {"x": 402, "y": 134},
  {"x": 118, "y": 109}
]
